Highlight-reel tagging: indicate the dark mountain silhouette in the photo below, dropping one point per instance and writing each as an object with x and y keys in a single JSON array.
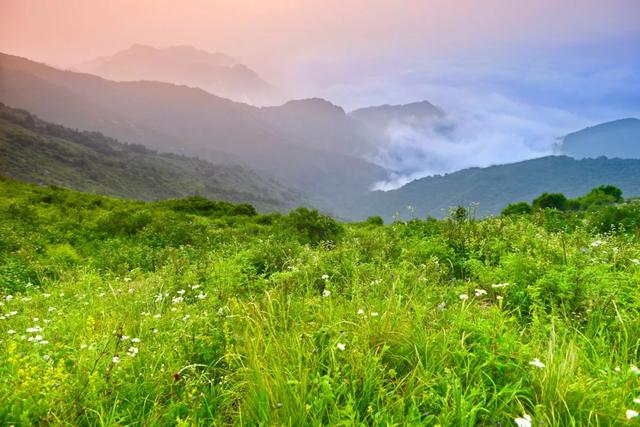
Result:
[
  {"x": 619, "y": 138},
  {"x": 36, "y": 151}
]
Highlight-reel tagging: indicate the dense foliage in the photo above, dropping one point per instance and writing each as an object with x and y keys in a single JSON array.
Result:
[{"x": 189, "y": 312}]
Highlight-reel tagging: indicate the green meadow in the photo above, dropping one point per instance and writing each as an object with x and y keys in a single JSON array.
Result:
[{"x": 193, "y": 312}]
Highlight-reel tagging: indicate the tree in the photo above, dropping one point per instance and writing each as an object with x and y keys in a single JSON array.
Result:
[
  {"x": 520, "y": 208},
  {"x": 551, "y": 201}
]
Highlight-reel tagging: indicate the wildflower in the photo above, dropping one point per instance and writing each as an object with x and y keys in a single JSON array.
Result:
[
  {"x": 11, "y": 332},
  {"x": 34, "y": 329},
  {"x": 51, "y": 309},
  {"x": 325, "y": 277},
  {"x": 43, "y": 342},
  {"x": 83, "y": 346},
  {"x": 500, "y": 285},
  {"x": 480, "y": 292},
  {"x": 194, "y": 287},
  {"x": 132, "y": 351},
  {"x": 46, "y": 357},
  {"x": 464, "y": 297},
  {"x": 181, "y": 292},
  {"x": 154, "y": 331},
  {"x": 635, "y": 369},
  {"x": 221, "y": 311},
  {"x": 326, "y": 293},
  {"x": 36, "y": 319},
  {"x": 631, "y": 414},
  {"x": 341, "y": 346},
  {"x": 115, "y": 359},
  {"x": 127, "y": 279},
  {"x": 13, "y": 313},
  {"x": 524, "y": 421},
  {"x": 157, "y": 316},
  {"x": 537, "y": 363},
  {"x": 177, "y": 300},
  {"x": 635, "y": 261},
  {"x": 8, "y": 297},
  {"x": 186, "y": 317},
  {"x": 636, "y": 400},
  {"x": 375, "y": 314},
  {"x": 131, "y": 290},
  {"x": 596, "y": 243},
  {"x": 46, "y": 295},
  {"x": 442, "y": 306},
  {"x": 499, "y": 298},
  {"x": 360, "y": 312},
  {"x": 617, "y": 369},
  {"x": 201, "y": 296},
  {"x": 135, "y": 340}
]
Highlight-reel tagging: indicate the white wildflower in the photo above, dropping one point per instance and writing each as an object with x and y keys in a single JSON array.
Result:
[
  {"x": 325, "y": 277},
  {"x": 11, "y": 332},
  {"x": 500, "y": 285},
  {"x": 220, "y": 311},
  {"x": 34, "y": 329},
  {"x": 596, "y": 243},
  {"x": 135, "y": 340},
  {"x": 177, "y": 300},
  {"x": 132, "y": 351},
  {"x": 375, "y": 314},
  {"x": 464, "y": 297},
  {"x": 8, "y": 297},
  {"x": 442, "y": 306},
  {"x": 617, "y": 369},
  {"x": 43, "y": 342},
  {"x": 201, "y": 295},
  {"x": 537, "y": 363},
  {"x": 46, "y": 357},
  {"x": 51, "y": 309},
  {"x": 124, "y": 337},
  {"x": 524, "y": 421},
  {"x": 631, "y": 414},
  {"x": 635, "y": 261},
  {"x": 181, "y": 292},
  {"x": 636, "y": 400},
  {"x": 341, "y": 346},
  {"x": 326, "y": 293},
  {"x": 360, "y": 312},
  {"x": 186, "y": 317},
  {"x": 499, "y": 298},
  {"x": 480, "y": 292},
  {"x": 115, "y": 359},
  {"x": 635, "y": 369}
]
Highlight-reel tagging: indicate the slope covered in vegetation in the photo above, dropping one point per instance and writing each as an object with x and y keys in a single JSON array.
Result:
[
  {"x": 190, "y": 312},
  {"x": 33, "y": 150}
]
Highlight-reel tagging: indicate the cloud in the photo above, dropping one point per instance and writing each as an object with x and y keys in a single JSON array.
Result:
[{"x": 497, "y": 111}]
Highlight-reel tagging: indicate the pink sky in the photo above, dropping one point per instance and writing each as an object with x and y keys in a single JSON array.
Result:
[{"x": 268, "y": 32}]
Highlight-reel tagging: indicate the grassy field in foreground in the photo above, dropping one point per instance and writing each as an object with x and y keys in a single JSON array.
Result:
[{"x": 190, "y": 312}]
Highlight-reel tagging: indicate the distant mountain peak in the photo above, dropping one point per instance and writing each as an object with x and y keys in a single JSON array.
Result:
[
  {"x": 217, "y": 73},
  {"x": 617, "y": 138},
  {"x": 314, "y": 105}
]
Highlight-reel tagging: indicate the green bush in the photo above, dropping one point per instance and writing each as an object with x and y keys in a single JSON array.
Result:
[{"x": 313, "y": 227}]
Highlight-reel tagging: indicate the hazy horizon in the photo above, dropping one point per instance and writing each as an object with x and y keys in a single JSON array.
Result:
[{"x": 511, "y": 76}]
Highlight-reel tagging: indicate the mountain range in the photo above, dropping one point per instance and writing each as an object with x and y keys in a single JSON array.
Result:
[{"x": 304, "y": 151}]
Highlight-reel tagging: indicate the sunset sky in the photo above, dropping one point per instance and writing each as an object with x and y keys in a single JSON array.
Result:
[{"x": 519, "y": 72}]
